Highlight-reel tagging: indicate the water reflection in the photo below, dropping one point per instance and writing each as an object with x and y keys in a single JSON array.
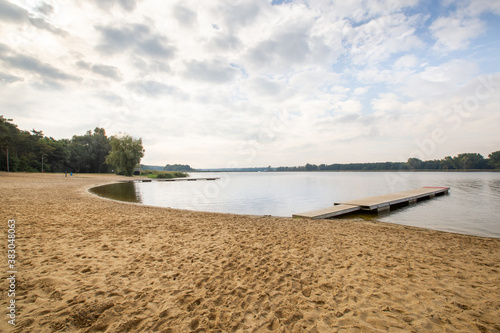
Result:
[{"x": 125, "y": 191}]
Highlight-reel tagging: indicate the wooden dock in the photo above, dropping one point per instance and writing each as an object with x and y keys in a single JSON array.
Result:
[
  {"x": 174, "y": 179},
  {"x": 377, "y": 203}
]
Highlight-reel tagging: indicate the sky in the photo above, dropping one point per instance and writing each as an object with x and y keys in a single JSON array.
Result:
[{"x": 252, "y": 83}]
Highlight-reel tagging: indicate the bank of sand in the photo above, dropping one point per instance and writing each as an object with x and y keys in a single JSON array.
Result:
[{"x": 87, "y": 264}]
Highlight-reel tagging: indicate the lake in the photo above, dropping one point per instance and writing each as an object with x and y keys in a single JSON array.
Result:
[{"x": 471, "y": 207}]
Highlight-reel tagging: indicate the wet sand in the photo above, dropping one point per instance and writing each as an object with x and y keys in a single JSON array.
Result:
[{"x": 87, "y": 264}]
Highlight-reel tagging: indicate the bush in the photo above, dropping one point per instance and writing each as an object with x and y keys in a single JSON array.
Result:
[
  {"x": 163, "y": 174},
  {"x": 172, "y": 174}
]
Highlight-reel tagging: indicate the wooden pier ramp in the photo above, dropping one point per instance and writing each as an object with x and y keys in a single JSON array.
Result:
[{"x": 377, "y": 203}]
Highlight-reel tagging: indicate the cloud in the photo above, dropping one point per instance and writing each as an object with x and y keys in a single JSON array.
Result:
[
  {"x": 12, "y": 13},
  {"x": 48, "y": 85},
  {"x": 109, "y": 97},
  {"x": 151, "y": 88},
  {"x": 280, "y": 52},
  {"x": 263, "y": 86},
  {"x": 7, "y": 78},
  {"x": 185, "y": 16},
  {"x": 408, "y": 61},
  {"x": 41, "y": 23},
  {"x": 106, "y": 5},
  {"x": 45, "y": 8},
  {"x": 84, "y": 64},
  {"x": 4, "y": 49},
  {"x": 315, "y": 81},
  {"x": 378, "y": 39},
  {"x": 107, "y": 71},
  {"x": 455, "y": 33},
  {"x": 474, "y": 8},
  {"x": 239, "y": 13},
  {"x": 224, "y": 43},
  {"x": 360, "y": 91},
  {"x": 36, "y": 17},
  {"x": 438, "y": 81},
  {"x": 33, "y": 65},
  {"x": 151, "y": 66},
  {"x": 135, "y": 38},
  {"x": 214, "y": 71},
  {"x": 387, "y": 102}
]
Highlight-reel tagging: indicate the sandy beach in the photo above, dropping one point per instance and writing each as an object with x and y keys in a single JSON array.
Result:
[{"x": 87, "y": 264}]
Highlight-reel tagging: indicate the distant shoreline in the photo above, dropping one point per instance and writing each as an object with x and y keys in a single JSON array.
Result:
[{"x": 420, "y": 170}]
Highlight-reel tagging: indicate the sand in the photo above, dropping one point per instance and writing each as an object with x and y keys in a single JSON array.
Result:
[{"x": 87, "y": 264}]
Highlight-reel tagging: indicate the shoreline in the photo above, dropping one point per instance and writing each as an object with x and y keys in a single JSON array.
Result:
[
  {"x": 93, "y": 265},
  {"x": 374, "y": 220},
  {"x": 416, "y": 170},
  {"x": 360, "y": 215}
]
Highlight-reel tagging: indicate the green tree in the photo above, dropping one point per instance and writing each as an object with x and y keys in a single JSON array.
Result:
[
  {"x": 79, "y": 154},
  {"x": 414, "y": 163},
  {"x": 126, "y": 153},
  {"x": 494, "y": 159},
  {"x": 177, "y": 167},
  {"x": 8, "y": 132},
  {"x": 311, "y": 167},
  {"x": 470, "y": 161},
  {"x": 448, "y": 163},
  {"x": 99, "y": 148},
  {"x": 58, "y": 158}
]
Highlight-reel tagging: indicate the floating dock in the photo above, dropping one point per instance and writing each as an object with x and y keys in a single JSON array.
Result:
[
  {"x": 174, "y": 179},
  {"x": 381, "y": 203}
]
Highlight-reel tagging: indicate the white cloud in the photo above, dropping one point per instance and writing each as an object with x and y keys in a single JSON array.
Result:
[
  {"x": 380, "y": 38},
  {"x": 213, "y": 71},
  {"x": 127, "y": 5},
  {"x": 454, "y": 33},
  {"x": 360, "y": 91},
  {"x": 185, "y": 16},
  {"x": 474, "y": 8},
  {"x": 408, "y": 61},
  {"x": 261, "y": 86}
]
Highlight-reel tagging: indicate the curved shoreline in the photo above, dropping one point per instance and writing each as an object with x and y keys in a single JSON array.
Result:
[
  {"x": 88, "y": 264},
  {"x": 373, "y": 220}
]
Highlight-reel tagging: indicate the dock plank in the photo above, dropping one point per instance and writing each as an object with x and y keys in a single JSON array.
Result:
[
  {"x": 325, "y": 213},
  {"x": 375, "y": 202},
  {"x": 174, "y": 179}
]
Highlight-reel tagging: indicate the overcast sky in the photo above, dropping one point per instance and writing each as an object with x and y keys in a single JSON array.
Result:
[{"x": 258, "y": 82}]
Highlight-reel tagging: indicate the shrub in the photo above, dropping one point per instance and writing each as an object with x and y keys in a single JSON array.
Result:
[{"x": 163, "y": 174}]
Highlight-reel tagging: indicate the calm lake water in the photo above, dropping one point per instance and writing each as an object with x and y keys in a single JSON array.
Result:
[{"x": 471, "y": 207}]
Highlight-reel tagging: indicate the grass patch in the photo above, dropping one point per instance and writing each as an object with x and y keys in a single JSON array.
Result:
[{"x": 163, "y": 174}]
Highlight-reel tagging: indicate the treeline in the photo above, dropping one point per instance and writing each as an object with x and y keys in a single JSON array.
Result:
[
  {"x": 177, "y": 167},
  {"x": 168, "y": 167},
  {"x": 466, "y": 161},
  {"x": 32, "y": 151}
]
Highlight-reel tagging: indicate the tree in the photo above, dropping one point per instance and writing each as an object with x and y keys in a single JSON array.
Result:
[
  {"x": 494, "y": 159},
  {"x": 126, "y": 153},
  {"x": 99, "y": 148},
  {"x": 414, "y": 163},
  {"x": 470, "y": 161},
  {"x": 7, "y": 133},
  {"x": 177, "y": 167}
]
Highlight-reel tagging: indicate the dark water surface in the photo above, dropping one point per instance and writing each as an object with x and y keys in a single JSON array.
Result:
[
  {"x": 125, "y": 191},
  {"x": 471, "y": 207}
]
